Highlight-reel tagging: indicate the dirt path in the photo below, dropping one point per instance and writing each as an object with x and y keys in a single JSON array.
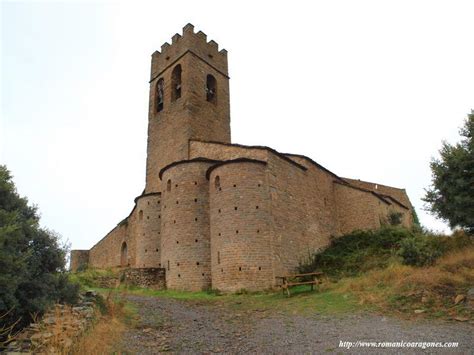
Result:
[{"x": 169, "y": 325}]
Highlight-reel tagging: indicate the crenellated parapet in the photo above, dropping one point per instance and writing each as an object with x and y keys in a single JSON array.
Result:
[{"x": 188, "y": 41}]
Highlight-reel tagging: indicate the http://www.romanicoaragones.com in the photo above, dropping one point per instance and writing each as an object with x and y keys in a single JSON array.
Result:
[{"x": 396, "y": 344}]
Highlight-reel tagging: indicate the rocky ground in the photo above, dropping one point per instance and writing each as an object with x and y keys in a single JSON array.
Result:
[{"x": 169, "y": 325}]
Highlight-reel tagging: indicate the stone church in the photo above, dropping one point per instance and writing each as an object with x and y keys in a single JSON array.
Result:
[{"x": 220, "y": 215}]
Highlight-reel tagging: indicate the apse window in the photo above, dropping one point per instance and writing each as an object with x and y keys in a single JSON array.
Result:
[
  {"x": 217, "y": 182},
  {"x": 160, "y": 95},
  {"x": 211, "y": 89},
  {"x": 168, "y": 186},
  {"x": 176, "y": 83}
]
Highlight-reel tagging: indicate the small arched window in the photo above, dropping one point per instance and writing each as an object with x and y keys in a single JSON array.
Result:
[
  {"x": 160, "y": 95},
  {"x": 217, "y": 182},
  {"x": 140, "y": 215},
  {"x": 168, "y": 185},
  {"x": 123, "y": 254},
  {"x": 176, "y": 83},
  {"x": 211, "y": 89}
]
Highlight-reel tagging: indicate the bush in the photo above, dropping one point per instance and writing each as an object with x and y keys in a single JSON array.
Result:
[
  {"x": 395, "y": 218},
  {"x": 420, "y": 250},
  {"x": 356, "y": 252},
  {"x": 32, "y": 260},
  {"x": 361, "y": 251}
]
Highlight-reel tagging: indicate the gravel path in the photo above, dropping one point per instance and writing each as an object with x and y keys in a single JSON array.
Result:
[{"x": 168, "y": 325}]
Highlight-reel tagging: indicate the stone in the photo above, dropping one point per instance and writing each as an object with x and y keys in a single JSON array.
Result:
[
  {"x": 49, "y": 320},
  {"x": 418, "y": 311},
  {"x": 459, "y": 298},
  {"x": 46, "y": 335},
  {"x": 90, "y": 293}
]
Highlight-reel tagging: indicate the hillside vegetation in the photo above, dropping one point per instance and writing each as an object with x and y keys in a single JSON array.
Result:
[{"x": 401, "y": 271}]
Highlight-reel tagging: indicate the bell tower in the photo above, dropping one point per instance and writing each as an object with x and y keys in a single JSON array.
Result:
[{"x": 189, "y": 99}]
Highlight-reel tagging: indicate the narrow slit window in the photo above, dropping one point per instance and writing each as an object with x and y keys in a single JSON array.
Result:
[
  {"x": 124, "y": 254},
  {"x": 160, "y": 95},
  {"x": 176, "y": 83},
  {"x": 211, "y": 89},
  {"x": 168, "y": 185},
  {"x": 217, "y": 182}
]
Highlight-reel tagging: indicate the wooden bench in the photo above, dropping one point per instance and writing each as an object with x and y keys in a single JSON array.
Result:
[{"x": 298, "y": 279}]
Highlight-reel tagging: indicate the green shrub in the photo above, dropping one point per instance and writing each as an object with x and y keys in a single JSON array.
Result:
[
  {"x": 420, "y": 250},
  {"x": 32, "y": 260},
  {"x": 395, "y": 218},
  {"x": 67, "y": 291},
  {"x": 356, "y": 252},
  {"x": 360, "y": 251},
  {"x": 91, "y": 277}
]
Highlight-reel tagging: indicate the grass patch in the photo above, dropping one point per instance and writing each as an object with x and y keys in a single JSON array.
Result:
[
  {"x": 302, "y": 301},
  {"x": 402, "y": 289},
  {"x": 179, "y": 295},
  {"x": 105, "y": 335},
  {"x": 91, "y": 277}
]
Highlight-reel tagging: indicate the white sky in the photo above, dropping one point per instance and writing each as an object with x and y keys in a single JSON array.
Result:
[{"x": 368, "y": 89}]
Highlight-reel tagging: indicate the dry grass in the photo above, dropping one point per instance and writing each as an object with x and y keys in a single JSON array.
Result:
[
  {"x": 406, "y": 288},
  {"x": 102, "y": 338},
  {"x": 106, "y": 332},
  {"x": 61, "y": 336}
]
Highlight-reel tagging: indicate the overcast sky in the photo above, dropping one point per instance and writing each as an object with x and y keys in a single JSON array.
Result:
[{"x": 368, "y": 89}]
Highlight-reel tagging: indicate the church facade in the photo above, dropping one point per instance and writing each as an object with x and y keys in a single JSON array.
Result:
[{"x": 219, "y": 215}]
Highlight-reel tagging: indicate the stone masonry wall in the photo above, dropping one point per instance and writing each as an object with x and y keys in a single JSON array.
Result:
[
  {"x": 219, "y": 151},
  {"x": 241, "y": 230},
  {"x": 148, "y": 231},
  {"x": 185, "y": 240},
  {"x": 146, "y": 277},
  {"x": 303, "y": 212},
  {"x": 399, "y": 194},
  {"x": 108, "y": 251},
  {"x": 79, "y": 258},
  {"x": 357, "y": 209}
]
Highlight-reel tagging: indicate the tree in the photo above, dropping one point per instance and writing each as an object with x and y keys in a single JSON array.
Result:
[
  {"x": 32, "y": 260},
  {"x": 451, "y": 194}
]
